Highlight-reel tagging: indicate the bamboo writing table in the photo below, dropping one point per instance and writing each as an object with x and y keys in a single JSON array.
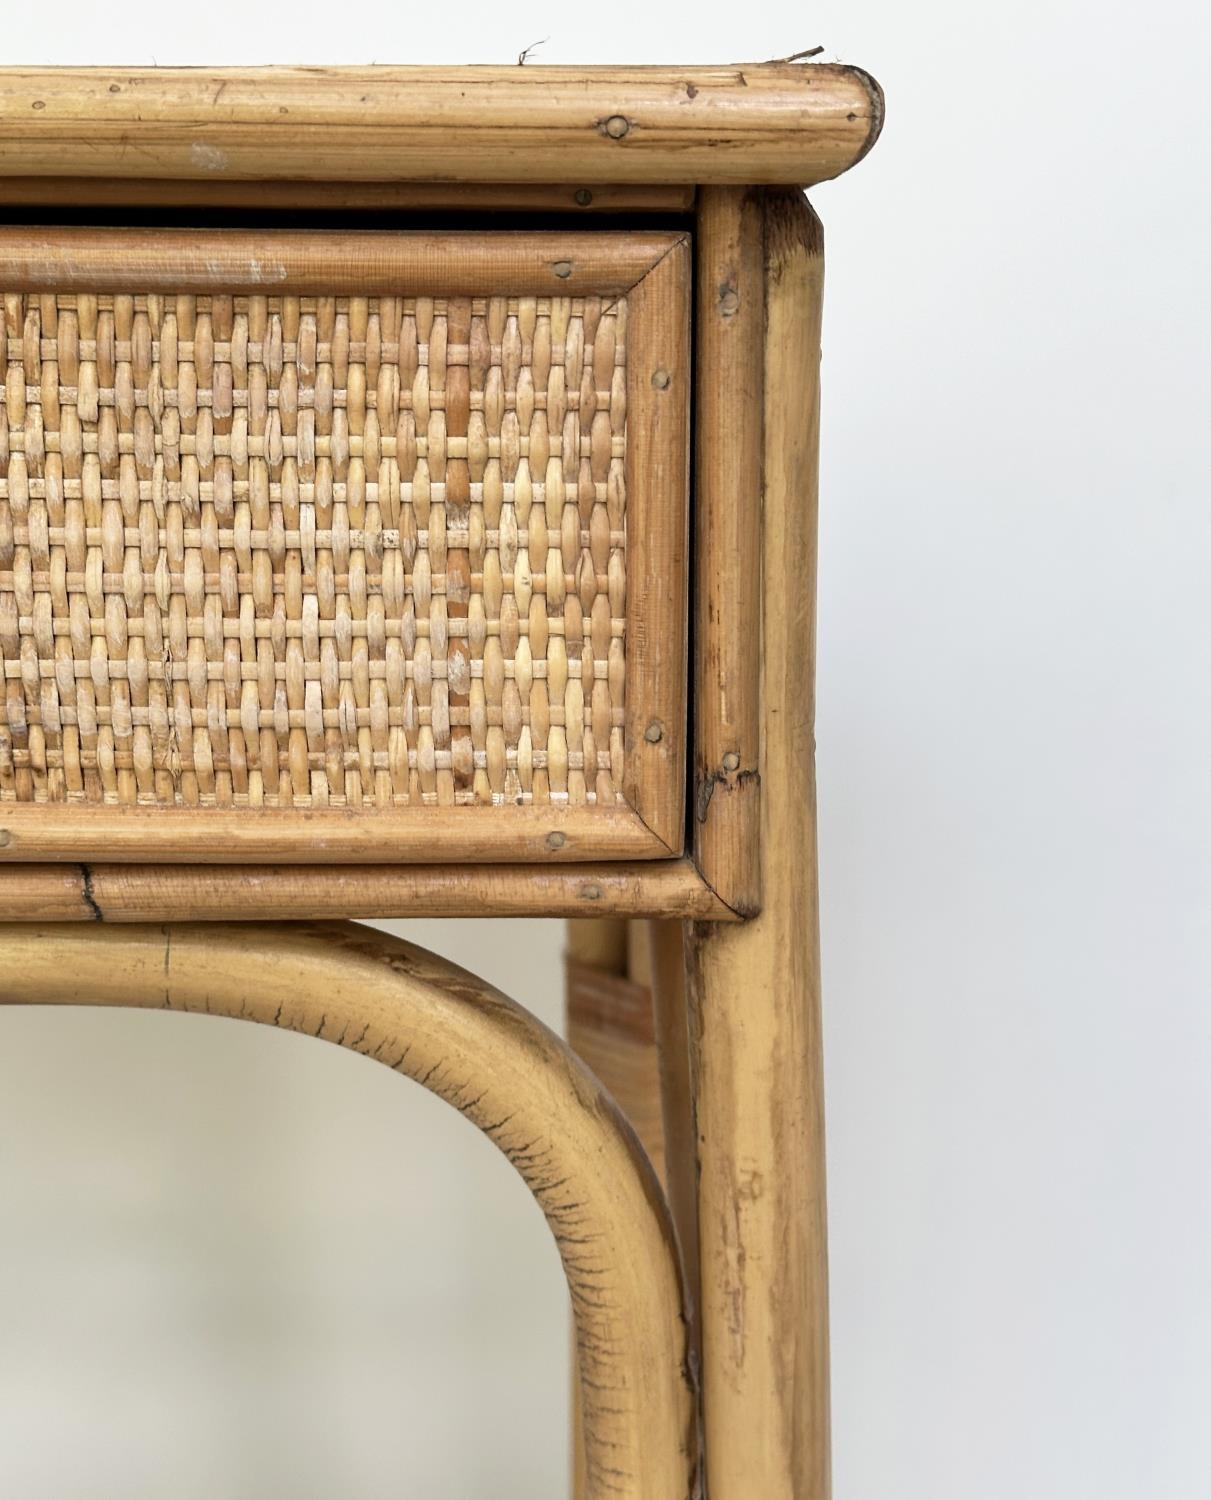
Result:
[{"x": 407, "y": 506}]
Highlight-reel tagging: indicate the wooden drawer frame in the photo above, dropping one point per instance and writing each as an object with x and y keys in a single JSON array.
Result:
[
  {"x": 648, "y": 271},
  {"x": 603, "y": 149}
]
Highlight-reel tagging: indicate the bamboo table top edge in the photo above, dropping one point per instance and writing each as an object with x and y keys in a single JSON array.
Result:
[{"x": 743, "y": 124}]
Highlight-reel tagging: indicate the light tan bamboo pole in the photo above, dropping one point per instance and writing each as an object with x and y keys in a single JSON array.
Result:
[
  {"x": 608, "y": 1026},
  {"x": 600, "y": 942},
  {"x": 270, "y": 893},
  {"x": 626, "y": 1017},
  {"x": 666, "y": 966},
  {"x": 361, "y": 262},
  {"x": 727, "y": 507},
  {"x": 498, "y": 1066},
  {"x": 752, "y": 122},
  {"x": 755, "y": 987}
]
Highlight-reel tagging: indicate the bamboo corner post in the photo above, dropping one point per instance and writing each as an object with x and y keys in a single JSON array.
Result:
[
  {"x": 755, "y": 992},
  {"x": 731, "y": 322},
  {"x": 455, "y": 560},
  {"x": 743, "y": 1143}
]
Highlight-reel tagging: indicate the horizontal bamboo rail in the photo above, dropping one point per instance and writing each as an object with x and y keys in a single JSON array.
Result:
[
  {"x": 747, "y": 123},
  {"x": 363, "y": 263},
  {"x": 247, "y": 893}
]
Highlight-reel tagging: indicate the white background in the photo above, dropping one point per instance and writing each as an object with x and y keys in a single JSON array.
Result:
[{"x": 237, "y": 1265}]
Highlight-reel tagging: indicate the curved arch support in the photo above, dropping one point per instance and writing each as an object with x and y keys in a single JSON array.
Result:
[{"x": 511, "y": 1076}]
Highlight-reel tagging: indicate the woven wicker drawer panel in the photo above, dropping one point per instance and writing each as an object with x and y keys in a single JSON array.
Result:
[{"x": 282, "y": 559}]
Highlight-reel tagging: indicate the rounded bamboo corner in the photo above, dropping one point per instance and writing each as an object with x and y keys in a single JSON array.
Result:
[
  {"x": 740, "y": 124},
  {"x": 465, "y": 1042}
]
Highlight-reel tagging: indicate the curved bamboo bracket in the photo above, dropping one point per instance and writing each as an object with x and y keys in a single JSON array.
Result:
[{"x": 498, "y": 1066}]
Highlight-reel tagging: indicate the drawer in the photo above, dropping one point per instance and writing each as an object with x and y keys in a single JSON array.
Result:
[{"x": 324, "y": 546}]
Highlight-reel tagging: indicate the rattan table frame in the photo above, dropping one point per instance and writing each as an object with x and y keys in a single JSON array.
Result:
[{"x": 676, "y": 1141}]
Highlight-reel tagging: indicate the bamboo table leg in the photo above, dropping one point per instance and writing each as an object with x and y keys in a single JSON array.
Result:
[
  {"x": 626, "y": 1018},
  {"x": 608, "y": 1028},
  {"x": 755, "y": 986},
  {"x": 752, "y": 1059},
  {"x": 665, "y": 947}
]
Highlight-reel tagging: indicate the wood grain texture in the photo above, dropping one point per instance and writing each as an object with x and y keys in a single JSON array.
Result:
[
  {"x": 610, "y": 1026},
  {"x": 365, "y": 262},
  {"x": 755, "y": 987},
  {"x": 610, "y": 1029},
  {"x": 254, "y": 892},
  {"x": 657, "y": 568},
  {"x": 602, "y": 946},
  {"x": 727, "y": 544},
  {"x": 747, "y": 123},
  {"x": 497, "y": 1065},
  {"x": 662, "y": 943},
  {"x": 422, "y": 835},
  {"x": 589, "y": 199},
  {"x": 600, "y": 941}
]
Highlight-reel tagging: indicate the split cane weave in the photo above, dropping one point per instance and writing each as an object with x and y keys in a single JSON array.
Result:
[{"x": 309, "y": 551}]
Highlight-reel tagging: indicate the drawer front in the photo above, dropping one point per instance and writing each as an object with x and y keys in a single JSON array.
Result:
[{"x": 319, "y": 546}]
